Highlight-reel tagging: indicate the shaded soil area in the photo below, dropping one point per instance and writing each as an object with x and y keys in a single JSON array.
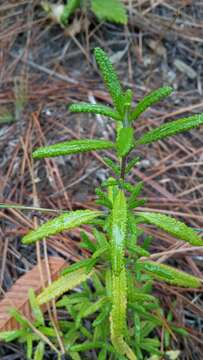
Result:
[{"x": 44, "y": 68}]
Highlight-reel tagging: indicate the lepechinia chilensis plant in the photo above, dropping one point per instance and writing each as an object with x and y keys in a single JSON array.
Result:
[{"x": 123, "y": 312}]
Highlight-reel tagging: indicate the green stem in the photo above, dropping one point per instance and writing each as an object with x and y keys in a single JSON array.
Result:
[{"x": 123, "y": 167}]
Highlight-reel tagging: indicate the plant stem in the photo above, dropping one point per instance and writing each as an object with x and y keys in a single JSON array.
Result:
[{"x": 123, "y": 167}]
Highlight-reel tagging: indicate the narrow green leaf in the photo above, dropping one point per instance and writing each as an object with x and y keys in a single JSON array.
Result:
[
  {"x": 63, "y": 222},
  {"x": 145, "y": 314},
  {"x": 74, "y": 356},
  {"x": 76, "y": 266},
  {"x": 112, "y": 10},
  {"x": 97, "y": 283},
  {"x": 137, "y": 189},
  {"x": 29, "y": 346},
  {"x": 142, "y": 298},
  {"x": 102, "y": 354},
  {"x": 101, "y": 251},
  {"x": 149, "y": 100},
  {"x": 118, "y": 315},
  {"x": 102, "y": 316},
  {"x": 35, "y": 307},
  {"x": 150, "y": 348},
  {"x": 18, "y": 317},
  {"x": 112, "y": 165},
  {"x": 137, "y": 328},
  {"x": 110, "y": 77},
  {"x": 135, "y": 203},
  {"x": 92, "y": 308},
  {"x": 124, "y": 141},
  {"x": 88, "y": 345},
  {"x": 119, "y": 303},
  {"x": 39, "y": 352},
  {"x": 62, "y": 285},
  {"x": 119, "y": 223},
  {"x": 147, "y": 328},
  {"x": 100, "y": 238},
  {"x": 69, "y": 9},
  {"x": 132, "y": 201},
  {"x": 138, "y": 250},
  {"x": 170, "y": 129},
  {"x": 169, "y": 274},
  {"x": 103, "y": 198},
  {"x": 86, "y": 243},
  {"x": 11, "y": 335},
  {"x": 48, "y": 331},
  {"x": 131, "y": 164},
  {"x": 179, "y": 330},
  {"x": 172, "y": 226},
  {"x": 71, "y": 147},
  {"x": 95, "y": 109}
]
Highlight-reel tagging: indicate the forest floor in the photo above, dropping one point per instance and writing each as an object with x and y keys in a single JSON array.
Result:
[{"x": 44, "y": 68}]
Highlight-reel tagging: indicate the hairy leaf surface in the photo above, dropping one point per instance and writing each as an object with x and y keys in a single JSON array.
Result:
[
  {"x": 174, "y": 227},
  {"x": 124, "y": 141},
  {"x": 110, "y": 77},
  {"x": 118, "y": 315},
  {"x": 71, "y": 147},
  {"x": 171, "y": 128},
  {"x": 95, "y": 109},
  {"x": 169, "y": 274},
  {"x": 119, "y": 303},
  {"x": 119, "y": 223},
  {"x": 62, "y": 285},
  {"x": 150, "y": 100},
  {"x": 63, "y": 222},
  {"x": 112, "y": 10}
]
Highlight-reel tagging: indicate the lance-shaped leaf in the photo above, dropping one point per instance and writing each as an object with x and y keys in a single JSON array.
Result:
[
  {"x": 112, "y": 10},
  {"x": 71, "y": 147},
  {"x": 119, "y": 223},
  {"x": 63, "y": 222},
  {"x": 39, "y": 352},
  {"x": 124, "y": 141},
  {"x": 119, "y": 303},
  {"x": 169, "y": 274},
  {"x": 35, "y": 307},
  {"x": 170, "y": 129},
  {"x": 172, "y": 226},
  {"x": 11, "y": 335},
  {"x": 118, "y": 315},
  {"x": 149, "y": 100},
  {"x": 63, "y": 284},
  {"x": 110, "y": 77},
  {"x": 95, "y": 109}
]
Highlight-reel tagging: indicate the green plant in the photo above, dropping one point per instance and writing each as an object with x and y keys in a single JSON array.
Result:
[
  {"x": 116, "y": 280},
  {"x": 111, "y": 10},
  {"x": 34, "y": 335}
]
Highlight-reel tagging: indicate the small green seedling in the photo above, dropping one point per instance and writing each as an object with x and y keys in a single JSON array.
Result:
[
  {"x": 110, "y": 10},
  {"x": 115, "y": 313}
]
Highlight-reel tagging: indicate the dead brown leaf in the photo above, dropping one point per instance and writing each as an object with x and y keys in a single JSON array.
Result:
[{"x": 17, "y": 296}]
